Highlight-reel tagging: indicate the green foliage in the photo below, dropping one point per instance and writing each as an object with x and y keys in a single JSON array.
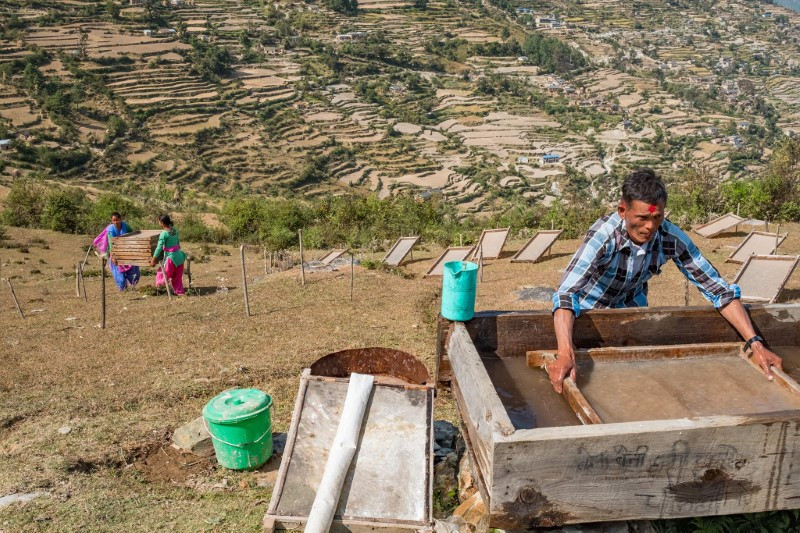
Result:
[
  {"x": 64, "y": 210},
  {"x": 551, "y": 54},
  {"x": 116, "y": 127},
  {"x": 348, "y": 7},
  {"x": 210, "y": 61},
  {"x": 193, "y": 229},
  {"x": 24, "y": 204},
  {"x": 98, "y": 214}
]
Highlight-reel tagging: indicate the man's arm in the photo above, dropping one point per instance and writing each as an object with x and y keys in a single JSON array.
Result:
[
  {"x": 735, "y": 314},
  {"x": 565, "y": 362}
]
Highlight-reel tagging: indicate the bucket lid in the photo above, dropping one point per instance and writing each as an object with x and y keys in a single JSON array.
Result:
[
  {"x": 235, "y": 405},
  {"x": 456, "y": 267}
]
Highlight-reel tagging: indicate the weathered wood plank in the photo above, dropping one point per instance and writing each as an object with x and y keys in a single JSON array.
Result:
[
  {"x": 781, "y": 378},
  {"x": 540, "y": 358},
  {"x": 576, "y": 400},
  {"x": 651, "y": 470}
]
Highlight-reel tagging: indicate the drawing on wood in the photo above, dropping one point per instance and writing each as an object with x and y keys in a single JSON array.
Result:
[
  {"x": 537, "y": 246},
  {"x": 652, "y": 449},
  {"x": 135, "y": 248},
  {"x": 390, "y": 459},
  {"x": 718, "y": 225},
  {"x": 454, "y": 253},
  {"x": 400, "y": 250},
  {"x": 491, "y": 243},
  {"x": 762, "y": 277},
  {"x": 332, "y": 256},
  {"x": 756, "y": 243}
]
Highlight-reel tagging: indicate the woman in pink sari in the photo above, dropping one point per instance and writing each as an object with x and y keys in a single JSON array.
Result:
[{"x": 124, "y": 275}]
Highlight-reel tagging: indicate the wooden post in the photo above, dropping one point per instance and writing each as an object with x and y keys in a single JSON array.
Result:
[
  {"x": 86, "y": 257},
  {"x": 166, "y": 280},
  {"x": 352, "y": 275},
  {"x": 777, "y": 238},
  {"x": 302, "y": 263},
  {"x": 686, "y": 291},
  {"x": 738, "y": 205},
  {"x": 244, "y": 282},
  {"x": 266, "y": 271},
  {"x": 103, "y": 291},
  {"x": 480, "y": 262},
  {"x": 14, "y": 297},
  {"x": 189, "y": 272},
  {"x": 461, "y": 239},
  {"x": 552, "y": 225},
  {"x": 83, "y": 284},
  {"x": 77, "y": 280}
]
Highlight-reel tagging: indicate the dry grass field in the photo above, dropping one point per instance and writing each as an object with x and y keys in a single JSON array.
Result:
[{"x": 123, "y": 390}]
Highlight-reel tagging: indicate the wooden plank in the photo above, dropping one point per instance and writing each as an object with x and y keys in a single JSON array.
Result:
[
  {"x": 782, "y": 379},
  {"x": 645, "y": 470},
  {"x": 297, "y": 523},
  {"x": 576, "y": 400},
  {"x": 540, "y": 358}
]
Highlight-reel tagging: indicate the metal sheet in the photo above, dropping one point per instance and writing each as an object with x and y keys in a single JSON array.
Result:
[
  {"x": 762, "y": 277},
  {"x": 389, "y": 477},
  {"x": 718, "y": 225},
  {"x": 454, "y": 253},
  {"x": 400, "y": 250},
  {"x": 538, "y": 245},
  {"x": 757, "y": 243},
  {"x": 491, "y": 242}
]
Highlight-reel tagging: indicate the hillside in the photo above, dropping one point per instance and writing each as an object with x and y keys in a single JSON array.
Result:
[{"x": 208, "y": 99}]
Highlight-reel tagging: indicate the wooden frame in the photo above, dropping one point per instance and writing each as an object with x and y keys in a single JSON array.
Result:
[
  {"x": 273, "y": 520},
  {"x": 787, "y": 258},
  {"x": 777, "y": 239},
  {"x": 550, "y": 476},
  {"x": 439, "y": 260},
  {"x": 484, "y": 233},
  {"x": 396, "y": 245},
  {"x": 735, "y": 221},
  {"x": 332, "y": 256},
  {"x": 516, "y": 258}
]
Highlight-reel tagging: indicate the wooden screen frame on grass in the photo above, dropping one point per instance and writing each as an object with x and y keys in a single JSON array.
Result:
[
  {"x": 777, "y": 238},
  {"x": 697, "y": 229},
  {"x": 414, "y": 240},
  {"x": 794, "y": 258},
  {"x": 556, "y": 232},
  {"x": 480, "y": 247},
  {"x": 332, "y": 256},
  {"x": 469, "y": 250}
]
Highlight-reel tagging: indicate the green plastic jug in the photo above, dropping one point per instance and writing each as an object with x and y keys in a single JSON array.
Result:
[
  {"x": 240, "y": 426},
  {"x": 459, "y": 282}
]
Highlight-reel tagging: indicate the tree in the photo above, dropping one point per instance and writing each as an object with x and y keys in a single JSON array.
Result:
[
  {"x": 506, "y": 33},
  {"x": 113, "y": 9},
  {"x": 421, "y": 4}
]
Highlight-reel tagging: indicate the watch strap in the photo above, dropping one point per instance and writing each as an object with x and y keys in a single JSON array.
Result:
[{"x": 755, "y": 338}]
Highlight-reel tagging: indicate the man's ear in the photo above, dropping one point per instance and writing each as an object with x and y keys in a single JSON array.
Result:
[{"x": 621, "y": 208}]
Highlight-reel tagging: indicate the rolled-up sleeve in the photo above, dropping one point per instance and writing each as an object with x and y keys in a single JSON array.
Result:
[
  {"x": 579, "y": 271},
  {"x": 702, "y": 273}
]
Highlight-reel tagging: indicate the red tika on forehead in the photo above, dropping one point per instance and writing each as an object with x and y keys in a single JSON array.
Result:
[{"x": 653, "y": 208}]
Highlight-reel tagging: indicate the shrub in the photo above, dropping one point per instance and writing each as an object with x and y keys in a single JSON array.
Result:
[
  {"x": 24, "y": 205},
  {"x": 99, "y": 213},
  {"x": 193, "y": 229},
  {"x": 64, "y": 210}
]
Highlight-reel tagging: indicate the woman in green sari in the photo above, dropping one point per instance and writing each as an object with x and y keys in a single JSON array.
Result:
[{"x": 169, "y": 244}]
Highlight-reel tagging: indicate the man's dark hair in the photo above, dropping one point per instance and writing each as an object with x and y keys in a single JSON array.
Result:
[
  {"x": 116, "y": 214},
  {"x": 645, "y": 186}
]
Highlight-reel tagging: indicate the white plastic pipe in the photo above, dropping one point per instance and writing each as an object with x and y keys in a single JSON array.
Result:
[{"x": 341, "y": 454}]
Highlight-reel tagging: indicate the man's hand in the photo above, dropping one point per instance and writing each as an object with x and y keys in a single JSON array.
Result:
[
  {"x": 559, "y": 369},
  {"x": 766, "y": 359}
]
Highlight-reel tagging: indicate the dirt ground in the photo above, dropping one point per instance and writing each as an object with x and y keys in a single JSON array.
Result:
[{"x": 123, "y": 390}]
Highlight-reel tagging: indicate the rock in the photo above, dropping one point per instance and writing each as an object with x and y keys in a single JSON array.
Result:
[
  {"x": 194, "y": 438},
  {"x": 20, "y": 497},
  {"x": 453, "y": 524},
  {"x": 466, "y": 479},
  {"x": 64, "y": 430},
  {"x": 474, "y": 513},
  {"x": 278, "y": 443},
  {"x": 444, "y": 433},
  {"x": 445, "y": 484},
  {"x": 534, "y": 294}
]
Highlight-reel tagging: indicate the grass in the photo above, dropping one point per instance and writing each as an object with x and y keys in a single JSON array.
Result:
[{"x": 124, "y": 390}]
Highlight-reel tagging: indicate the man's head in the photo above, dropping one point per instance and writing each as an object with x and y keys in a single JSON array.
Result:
[{"x": 644, "y": 198}]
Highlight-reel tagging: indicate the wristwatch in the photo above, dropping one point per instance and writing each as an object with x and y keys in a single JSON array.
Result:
[{"x": 756, "y": 338}]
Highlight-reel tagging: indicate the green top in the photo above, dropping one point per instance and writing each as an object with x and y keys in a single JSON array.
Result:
[
  {"x": 169, "y": 239},
  {"x": 236, "y": 405}
]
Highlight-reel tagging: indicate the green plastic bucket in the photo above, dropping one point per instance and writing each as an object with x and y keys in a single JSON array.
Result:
[
  {"x": 239, "y": 423},
  {"x": 459, "y": 282}
]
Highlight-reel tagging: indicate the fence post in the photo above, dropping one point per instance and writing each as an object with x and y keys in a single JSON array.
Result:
[
  {"x": 302, "y": 263},
  {"x": 14, "y": 297},
  {"x": 103, "y": 291},
  {"x": 244, "y": 282},
  {"x": 352, "y": 275}
]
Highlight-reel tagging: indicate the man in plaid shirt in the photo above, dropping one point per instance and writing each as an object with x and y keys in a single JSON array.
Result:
[{"x": 621, "y": 252}]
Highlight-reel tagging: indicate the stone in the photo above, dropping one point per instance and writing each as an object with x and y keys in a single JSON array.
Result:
[
  {"x": 64, "y": 430},
  {"x": 467, "y": 486},
  {"x": 194, "y": 438},
  {"x": 278, "y": 443},
  {"x": 534, "y": 294},
  {"x": 444, "y": 433},
  {"x": 474, "y": 513},
  {"x": 20, "y": 497},
  {"x": 453, "y": 524},
  {"x": 445, "y": 484}
]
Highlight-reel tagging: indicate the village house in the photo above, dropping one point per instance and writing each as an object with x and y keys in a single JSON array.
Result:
[
  {"x": 5, "y": 144},
  {"x": 166, "y": 31},
  {"x": 549, "y": 158},
  {"x": 549, "y": 22},
  {"x": 743, "y": 125},
  {"x": 522, "y": 159},
  {"x": 626, "y": 125},
  {"x": 524, "y": 10},
  {"x": 147, "y": 33}
]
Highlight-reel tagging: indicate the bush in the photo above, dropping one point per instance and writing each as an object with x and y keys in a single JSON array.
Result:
[
  {"x": 193, "y": 229},
  {"x": 24, "y": 205},
  {"x": 64, "y": 210},
  {"x": 99, "y": 213}
]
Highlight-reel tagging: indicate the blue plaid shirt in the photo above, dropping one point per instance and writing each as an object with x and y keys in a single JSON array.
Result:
[{"x": 601, "y": 273}]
